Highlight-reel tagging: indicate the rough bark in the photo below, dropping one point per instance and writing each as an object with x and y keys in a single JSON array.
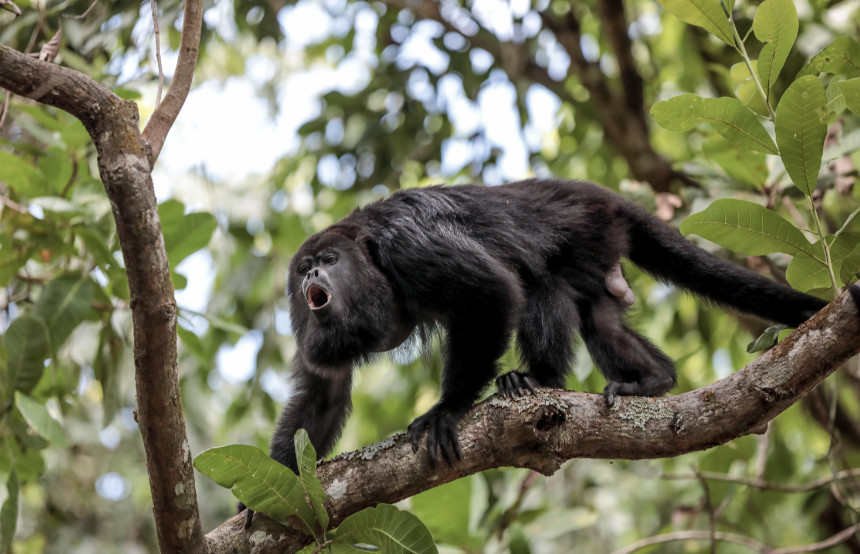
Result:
[
  {"x": 124, "y": 167},
  {"x": 543, "y": 431}
]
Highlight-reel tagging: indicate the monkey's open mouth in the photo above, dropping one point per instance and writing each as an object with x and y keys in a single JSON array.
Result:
[{"x": 318, "y": 297}]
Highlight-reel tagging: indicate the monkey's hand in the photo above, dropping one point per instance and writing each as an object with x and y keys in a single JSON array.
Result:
[
  {"x": 516, "y": 383},
  {"x": 441, "y": 425}
]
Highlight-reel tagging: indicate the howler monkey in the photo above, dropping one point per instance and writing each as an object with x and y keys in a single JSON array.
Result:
[{"x": 538, "y": 258}]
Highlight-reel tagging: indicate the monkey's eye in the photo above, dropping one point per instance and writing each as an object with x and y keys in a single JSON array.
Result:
[
  {"x": 303, "y": 269},
  {"x": 331, "y": 259}
]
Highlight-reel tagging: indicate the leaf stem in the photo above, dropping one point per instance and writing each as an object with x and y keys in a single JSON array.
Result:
[
  {"x": 739, "y": 46},
  {"x": 828, "y": 261}
]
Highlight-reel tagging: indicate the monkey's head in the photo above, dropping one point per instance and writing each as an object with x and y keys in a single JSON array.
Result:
[{"x": 340, "y": 302}]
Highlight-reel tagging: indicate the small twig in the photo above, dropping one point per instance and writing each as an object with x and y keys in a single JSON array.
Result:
[
  {"x": 770, "y": 485},
  {"x": 12, "y": 205},
  {"x": 5, "y": 110},
  {"x": 10, "y": 6},
  {"x": 510, "y": 514},
  {"x": 166, "y": 113},
  {"x": 83, "y": 15},
  {"x": 157, "y": 53},
  {"x": 709, "y": 506},
  {"x": 36, "y": 30},
  {"x": 695, "y": 535},
  {"x": 72, "y": 178},
  {"x": 761, "y": 453},
  {"x": 838, "y": 538}
]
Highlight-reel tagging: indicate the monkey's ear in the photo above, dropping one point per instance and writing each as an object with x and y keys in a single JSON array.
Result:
[{"x": 368, "y": 244}]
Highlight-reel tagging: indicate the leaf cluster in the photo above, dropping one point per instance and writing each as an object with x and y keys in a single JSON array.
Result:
[{"x": 270, "y": 488}]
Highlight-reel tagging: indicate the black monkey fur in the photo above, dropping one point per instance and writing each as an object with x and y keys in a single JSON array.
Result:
[{"x": 484, "y": 262}]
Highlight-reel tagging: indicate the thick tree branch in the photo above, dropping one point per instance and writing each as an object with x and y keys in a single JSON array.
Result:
[
  {"x": 544, "y": 431},
  {"x": 621, "y": 113},
  {"x": 125, "y": 171},
  {"x": 166, "y": 113},
  {"x": 632, "y": 86}
]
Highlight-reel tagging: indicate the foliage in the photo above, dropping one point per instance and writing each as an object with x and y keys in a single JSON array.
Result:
[
  {"x": 403, "y": 94},
  {"x": 270, "y": 488}
]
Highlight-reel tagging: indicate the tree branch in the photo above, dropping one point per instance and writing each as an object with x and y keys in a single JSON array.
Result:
[
  {"x": 770, "y": 485},
  {"x": 621, "y": 114},
  {"x": 838, "y": 538},
  {"x": 543, "y": 431},
  {"x": 166, "y": 113},
  {"x": 125, "y": 171}
]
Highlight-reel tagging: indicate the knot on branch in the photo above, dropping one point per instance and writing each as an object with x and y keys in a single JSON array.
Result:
[{"x": 549, "y": 417}]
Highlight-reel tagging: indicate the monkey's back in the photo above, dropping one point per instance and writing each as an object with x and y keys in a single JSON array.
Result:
[{"x": 535, "y": 227}]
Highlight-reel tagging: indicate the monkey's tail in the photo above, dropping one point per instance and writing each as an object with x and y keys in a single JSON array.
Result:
[{"x": 661, "y": 251}]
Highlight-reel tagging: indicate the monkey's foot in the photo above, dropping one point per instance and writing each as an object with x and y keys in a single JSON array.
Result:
[
  {"x": 441, "y": 425},
  {"x": 610, "y": 392},
  {"x": 516, "y": 383},
  {"x": 249, "y": 514}
]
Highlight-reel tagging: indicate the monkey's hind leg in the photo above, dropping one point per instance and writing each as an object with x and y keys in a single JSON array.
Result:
[
  {"x": 631, "y": 364},
  {"x": 547, "y": 324}
]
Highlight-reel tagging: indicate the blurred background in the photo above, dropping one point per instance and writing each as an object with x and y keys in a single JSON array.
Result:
[{"x": 302, "y": 111}]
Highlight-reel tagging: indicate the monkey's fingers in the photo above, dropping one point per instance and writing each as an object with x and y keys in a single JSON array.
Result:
[
  {"x": 610, "y": 392},
  {"x": 413, "y": 436},
  {"x": 515, "y": 383},
  {"x": 249, "y": 518},
  {"x": 454, "y": 444},
  {"x": 441, "y": 426}
]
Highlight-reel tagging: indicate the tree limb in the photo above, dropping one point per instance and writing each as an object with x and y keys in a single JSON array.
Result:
[
  {"x": 838, "y": 538},
  {"x": 124, "y": 166},
  {"x": 543, "y": 431},
  {"x": 166, "y": 113},
  {"x": 769, "y": 485},
  {"x": 621, "y": 113}
]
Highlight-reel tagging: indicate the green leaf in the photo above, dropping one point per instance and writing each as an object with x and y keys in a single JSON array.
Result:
[
  {"x": 450, "y": 525},
  {"x": 260, "y": 482},
  {"x": 39, "y": 420},
  {"x": 766, "y": 340},
  {"x": 835, "y": 102},
  {"x": 848, "y": 221},
  {"x": 555, "y": 523},
  {"x": 850, "y": 89},
  {"x": 387, "y": 528},
  {"x": 807, "y": 274},
  {"x": 27, "y": 343},
  {"x": 747, "y": 228},
  {"x": 775, "y": 25},
  {"x": 850, "y": 266},
  {"x": 728, "y": 116},
  {"x": 184, "y": 233},
  {"x": 55, "y": 167},
  {"x": 64, "y": 303},
  {"x": 20, "y": 175},
  {"x": 800, "y": 131},
  {"x": 306, "y": 457},
  {"x": 106, "y": 369},
  {"x": 707, "y": 14},
  {"x": 9, "y": 513},
  {"x": 741, "y": 164},
  {"x": 95, "y": 243},
  {"x": 840, "y": 57},
  {"x": 746, "y": 89}
]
